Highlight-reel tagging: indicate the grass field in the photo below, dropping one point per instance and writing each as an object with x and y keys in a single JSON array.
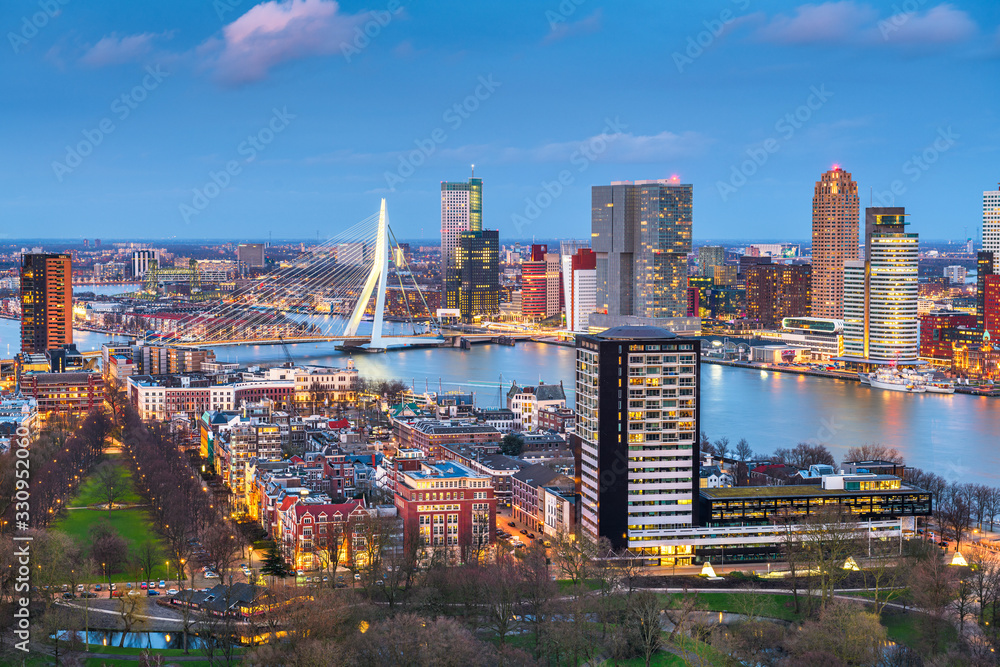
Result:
[
  {"x": 132, "y": 524},
  {"x": 88, "y": 494}
]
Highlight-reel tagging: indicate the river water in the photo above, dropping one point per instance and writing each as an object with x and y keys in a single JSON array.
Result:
[{"x": 956, "y": 436}]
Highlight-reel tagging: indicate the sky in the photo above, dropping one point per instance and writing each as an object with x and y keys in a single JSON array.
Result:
[{"x": 235, "y": 119}]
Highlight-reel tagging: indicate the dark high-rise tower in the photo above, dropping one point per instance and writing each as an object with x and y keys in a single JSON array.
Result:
[
  {"x": 477, "y": 265},
  {"x": 46, "y": 301},
  {"x": 461, "y": 211},
  {"x": 641, "y": 233},
  {"x": 637, "y": 395}
]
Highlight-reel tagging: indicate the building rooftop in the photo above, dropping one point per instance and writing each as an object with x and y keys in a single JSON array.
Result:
[{"x": 629, "y": 332}]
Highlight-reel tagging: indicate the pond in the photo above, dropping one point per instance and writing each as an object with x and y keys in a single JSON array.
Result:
[{"x": 157, "y": 640}]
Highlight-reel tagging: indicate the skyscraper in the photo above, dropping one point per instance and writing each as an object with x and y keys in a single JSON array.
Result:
[
  {"x": 708, "y": 257},
  {"x": 477, "y": 267},
  {"x": 461, "y": 211},
  {"x": 637, "y": 406},
  {"x": 641, "y": 233},
  {"x": 986, "y": 266},
  {"x": 540, "y": 284},
  {"x": 880, "y": 292},
  {"x": 581, "y": 292},
  {"x": 46, "y": 301},
  {"x": 141, "y": 260},
  {"x": 835, "y": 219},
  {"x": 251, "y": 255},
  {"x": 991, "y": 222}
]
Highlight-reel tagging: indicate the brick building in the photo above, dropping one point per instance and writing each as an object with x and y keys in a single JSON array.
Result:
[
  {"x": 73, "y": 394},
  {"x": 777, "y": 291}
]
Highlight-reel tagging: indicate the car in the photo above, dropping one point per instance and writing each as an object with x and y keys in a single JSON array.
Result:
[
  {"x": 943, "y": 543},
  {"x": 68, "y": 596},
  {"x": 113, "y": 587},
  {"x": 300, "y": 573},
  {"x": 211, "y": 575},
  {"x": 88, "y": 594},
  {"x": 357, "y": 577},
  {"x": 519, "y": 545},
  {"x": 133, "y": 593},
  {"x": 79, "y": 587},
  {"x": 162, "y": 584},
  {"x": 172, "y": 591},
  {"x": 325, "y": 578},
  {"x": 340, "y": 584},
  {"x": 531, "y": 536},
  {"x": 511, "y": 524},
  {"x": 98, "y": 587},
  {"x": 524, "y": 532},
  {"x": 143, "y": 586},
  {"x": 117, "y": 594},
  {"x": 128, "y": 585},
  {"x": 152, "y": 591}
]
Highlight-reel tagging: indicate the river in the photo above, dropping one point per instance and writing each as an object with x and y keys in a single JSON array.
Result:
[{"x": 955, "y": 436}]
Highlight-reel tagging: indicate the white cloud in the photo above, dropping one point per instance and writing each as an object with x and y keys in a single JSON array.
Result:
[{"x": 115, "y": 50}]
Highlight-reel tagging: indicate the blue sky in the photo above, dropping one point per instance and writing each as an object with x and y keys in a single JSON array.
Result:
[{"x": 232, "y": 119}]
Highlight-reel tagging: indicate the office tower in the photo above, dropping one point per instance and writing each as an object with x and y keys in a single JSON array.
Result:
[
  {"x": 641, "y": 233},
  {"x": 567, "y": 250},
  {"x": 477, "y": 265},
  {"x": 637, "y": 393},
  {"x": 46, "y": 301},
  {"x": 141, "y": 260},
  {"x": 461, "y": 211},
  {"x": 540, "y": 284},
  {"x": 723, "y": 275},
  {"x": 985, "y": 267},
  {"x": 710, "y": 256},
  {"x": 991, "y": 222},
  {"x": 835, "y": 216},
  {"x": 991, "y": 306},
  {"x": 777, "y": 291},
  {"x": 251, "y": 255},
  {"x": 704, "y": 285},
  {"x": 880, "y": 292},
  {"x": 955, "y": 274},
  {"x": 581, "y": 289}
]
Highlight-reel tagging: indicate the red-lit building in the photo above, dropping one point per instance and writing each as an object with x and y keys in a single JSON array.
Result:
[
  {"x": 991, "y": 306},
  {"x": 445, "y": 505},
  {"x": 777, "y": 291},
  {"x": 46, "y": 302},
  {"x": 540, "y": 284},
  {"x": 936, "y": 333}
]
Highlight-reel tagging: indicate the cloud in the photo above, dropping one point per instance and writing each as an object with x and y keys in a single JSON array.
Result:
[
  {"x": 828, "y": 22},
  {"x": 943, "y": 24},
  {"x": 115, "y": 50},
  {"x": 560, "y": 30},
  {"x": 276, "y": 32}
]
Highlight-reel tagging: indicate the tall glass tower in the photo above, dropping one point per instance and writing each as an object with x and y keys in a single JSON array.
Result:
[
  {"x": 461, "y": 211},
  {"x": 835, "y": 221}
]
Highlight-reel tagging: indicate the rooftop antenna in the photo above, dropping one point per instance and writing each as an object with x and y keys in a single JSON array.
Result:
[{"x": 473, "y": 171}]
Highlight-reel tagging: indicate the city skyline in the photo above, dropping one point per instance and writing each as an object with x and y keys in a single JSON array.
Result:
[{"x": 245, "y": 119}]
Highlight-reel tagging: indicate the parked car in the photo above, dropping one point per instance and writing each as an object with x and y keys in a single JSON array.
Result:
[
  {"x": 524, "y": 532},
  {"x": 211, "y": 575},
  {"x": 128, "y": 585},
  {"x": 163, "y": 584},
  {"x": 357, "y": 577},
  {"x": 98, "y": 587},
  {"x": 143, "y": 585},
  {"x": 113, "y": 587},
  {"x": 300, "y": 573},
  {"x": 172, "y": 591},
  {"x": 88, "y": 594},
  {"x": 511, "y": 524},
  {"x": 152, "y": 591},
  {"x": 79, "y": 587},
  {"x": 68, "y": 596}
]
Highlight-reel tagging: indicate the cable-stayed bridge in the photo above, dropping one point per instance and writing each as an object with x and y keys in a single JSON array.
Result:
[{"x": 334, "y": 292}]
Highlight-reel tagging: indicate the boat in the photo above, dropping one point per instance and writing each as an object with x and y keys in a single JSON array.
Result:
[
  {"x": 891, "y": 379},
  {"x": 863, "y": 377}
]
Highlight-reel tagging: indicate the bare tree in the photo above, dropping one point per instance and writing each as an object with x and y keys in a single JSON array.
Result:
[
  {"x": 148, "y": 557},
  {"x": 829, "y": 537},
  {"x": 112, "y": 483},
  {"x": 501, "y": 590},
  {"x": 873, "y": 451},
  {"x": 643, "y": 616}
]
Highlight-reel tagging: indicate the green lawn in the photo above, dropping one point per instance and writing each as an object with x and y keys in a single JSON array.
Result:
[
  {"x": 131, "y": 524},
  {"x": 125, "y": 662},
  {"x": 768, "y": 605},
  {"x": 905, "y": 629},
  {"x": 89, "y": 494}
]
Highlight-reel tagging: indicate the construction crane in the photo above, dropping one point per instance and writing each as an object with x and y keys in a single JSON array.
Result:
[{"x": 289, "y": 362}]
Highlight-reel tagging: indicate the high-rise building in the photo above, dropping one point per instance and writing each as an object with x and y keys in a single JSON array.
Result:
[
  {"x": 141, "y": 260},
  {"x": 567, "y": 250},
  {"x": 478, "y": 269},
  {"x": 540, "y": 284},
  {"x": 641, "y": 233},
  {"x": 637, "y": 399},
  {"x": 880, "y": 292},
  {"x": 461, "y": 211},
  {"x": 710, "y": 256},
  {"x": 991, "y": 222},
  {"x": 985, "y": 266},
  {"x": 723, "y": 275},
  {"x": 835, "y": 219},
  {"x": 581, "y": 291},
  {"x": 251, "y": 255},
  {"x": 991, "y": 306},
  {"x": 46, "y": 301},
  {"x": 955, "y": 274},
  {"x": 777, "y": 291}
]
